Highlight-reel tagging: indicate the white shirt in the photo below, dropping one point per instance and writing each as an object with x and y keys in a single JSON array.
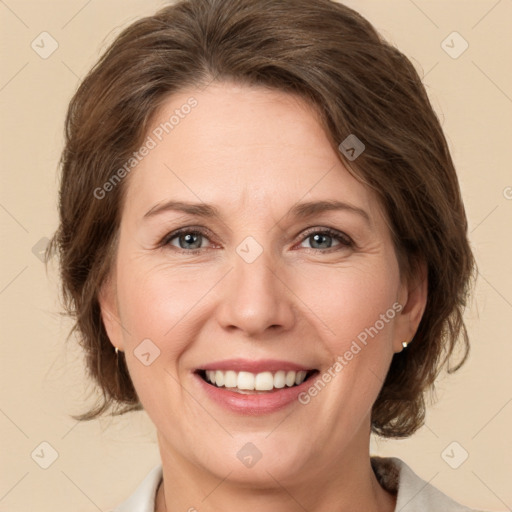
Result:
[{"x": 413, "y": 493}]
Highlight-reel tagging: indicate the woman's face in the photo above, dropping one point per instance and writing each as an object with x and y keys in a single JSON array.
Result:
[{"x": 262, "y": 286}]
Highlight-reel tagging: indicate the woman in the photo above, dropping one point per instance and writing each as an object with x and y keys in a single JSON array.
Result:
[{"x": 264, "y": 246}]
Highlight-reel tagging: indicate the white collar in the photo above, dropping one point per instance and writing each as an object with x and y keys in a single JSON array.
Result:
[
  {"x": 143, "y": 499},
  {"x": 414, "y": 494}
]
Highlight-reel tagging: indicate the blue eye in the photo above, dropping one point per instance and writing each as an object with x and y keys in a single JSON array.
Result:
[
  {"x": 190, "y": 240},
  {"x": 324, "y": 239}
]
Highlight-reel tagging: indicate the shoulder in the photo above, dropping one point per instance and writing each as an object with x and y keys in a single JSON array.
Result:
[
  {"x": 143, "y": 499},
  {"x": 413, "y": 493}
]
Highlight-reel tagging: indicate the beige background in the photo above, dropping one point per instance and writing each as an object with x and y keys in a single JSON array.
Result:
[{"x": 100, "y": 462}]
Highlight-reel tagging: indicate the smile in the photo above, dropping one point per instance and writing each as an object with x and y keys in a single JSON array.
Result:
[
  {"x": 245, "y": 382},
  {"x": 254, "y": 387}
]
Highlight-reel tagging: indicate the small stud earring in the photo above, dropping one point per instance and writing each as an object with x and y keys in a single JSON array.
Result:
[{"x": 404, "y": 344}]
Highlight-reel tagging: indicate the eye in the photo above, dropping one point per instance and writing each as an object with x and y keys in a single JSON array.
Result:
[
  {"x": 187, "y": 239},
  {"x": 321, "y": 239},
  {"x": 191, "y": 240}
]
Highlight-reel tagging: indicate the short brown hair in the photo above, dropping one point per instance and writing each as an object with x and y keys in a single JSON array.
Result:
[{"x": 333, "y": 58}]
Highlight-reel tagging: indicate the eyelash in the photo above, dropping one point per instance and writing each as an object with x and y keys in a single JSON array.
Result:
[{"x": 345, "y": 241}]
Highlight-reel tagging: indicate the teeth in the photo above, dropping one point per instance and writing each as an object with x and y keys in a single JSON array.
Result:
[
  {"x": 279, "y": 379},
  {"x": 219, "y": 378},
  {"x": 245, "y": 380},
  {"x": 264, "y": 381},
  {"x": 290, "y": 378},
  {"x": 300, "y": 377},
  {"x": 230, "y": 379}
]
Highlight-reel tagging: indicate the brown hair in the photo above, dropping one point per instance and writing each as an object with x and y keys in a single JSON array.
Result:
[{"x": 333, "y": 58}]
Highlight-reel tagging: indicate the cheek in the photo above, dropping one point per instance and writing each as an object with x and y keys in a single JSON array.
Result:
[
  {"x": 168, "y": 306},
  {"x": 154, "y": 301},
  {"x": 357, "y": 312},
  {"x": 352, "y": 301},
  {"x": 154, "y": 306}
]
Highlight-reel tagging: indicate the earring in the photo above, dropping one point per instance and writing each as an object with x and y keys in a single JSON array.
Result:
[
  {"x": 404, "y": 344},
  {"x": 118, "y": 370}
]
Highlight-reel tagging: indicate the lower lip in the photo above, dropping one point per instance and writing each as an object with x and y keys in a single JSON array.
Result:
[{"x": 257, "y": 403}]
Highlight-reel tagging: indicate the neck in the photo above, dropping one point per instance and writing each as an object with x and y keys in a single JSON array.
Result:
[{"x": 339, "y": 487}]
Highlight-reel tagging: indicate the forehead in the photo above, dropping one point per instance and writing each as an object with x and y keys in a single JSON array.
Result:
[{"x": 245, "y": 149}]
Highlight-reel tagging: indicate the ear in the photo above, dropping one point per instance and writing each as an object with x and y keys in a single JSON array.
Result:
[
  {"x": 413, "y": 299},
  {"x": 107, "y": 299}
]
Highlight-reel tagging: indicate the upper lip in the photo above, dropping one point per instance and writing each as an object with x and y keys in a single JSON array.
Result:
[{"x": 254, "y": 366}]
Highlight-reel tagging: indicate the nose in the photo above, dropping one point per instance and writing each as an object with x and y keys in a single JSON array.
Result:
[{"x": 256, "y": 299}]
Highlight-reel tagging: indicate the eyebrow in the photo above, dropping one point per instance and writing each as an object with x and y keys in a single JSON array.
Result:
[
  {"x": 300, "y": 210},
  {"x": 198, "y": 209}
]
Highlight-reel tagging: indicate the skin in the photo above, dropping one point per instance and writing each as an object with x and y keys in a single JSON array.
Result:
[{"x": 254, "y": 153}]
